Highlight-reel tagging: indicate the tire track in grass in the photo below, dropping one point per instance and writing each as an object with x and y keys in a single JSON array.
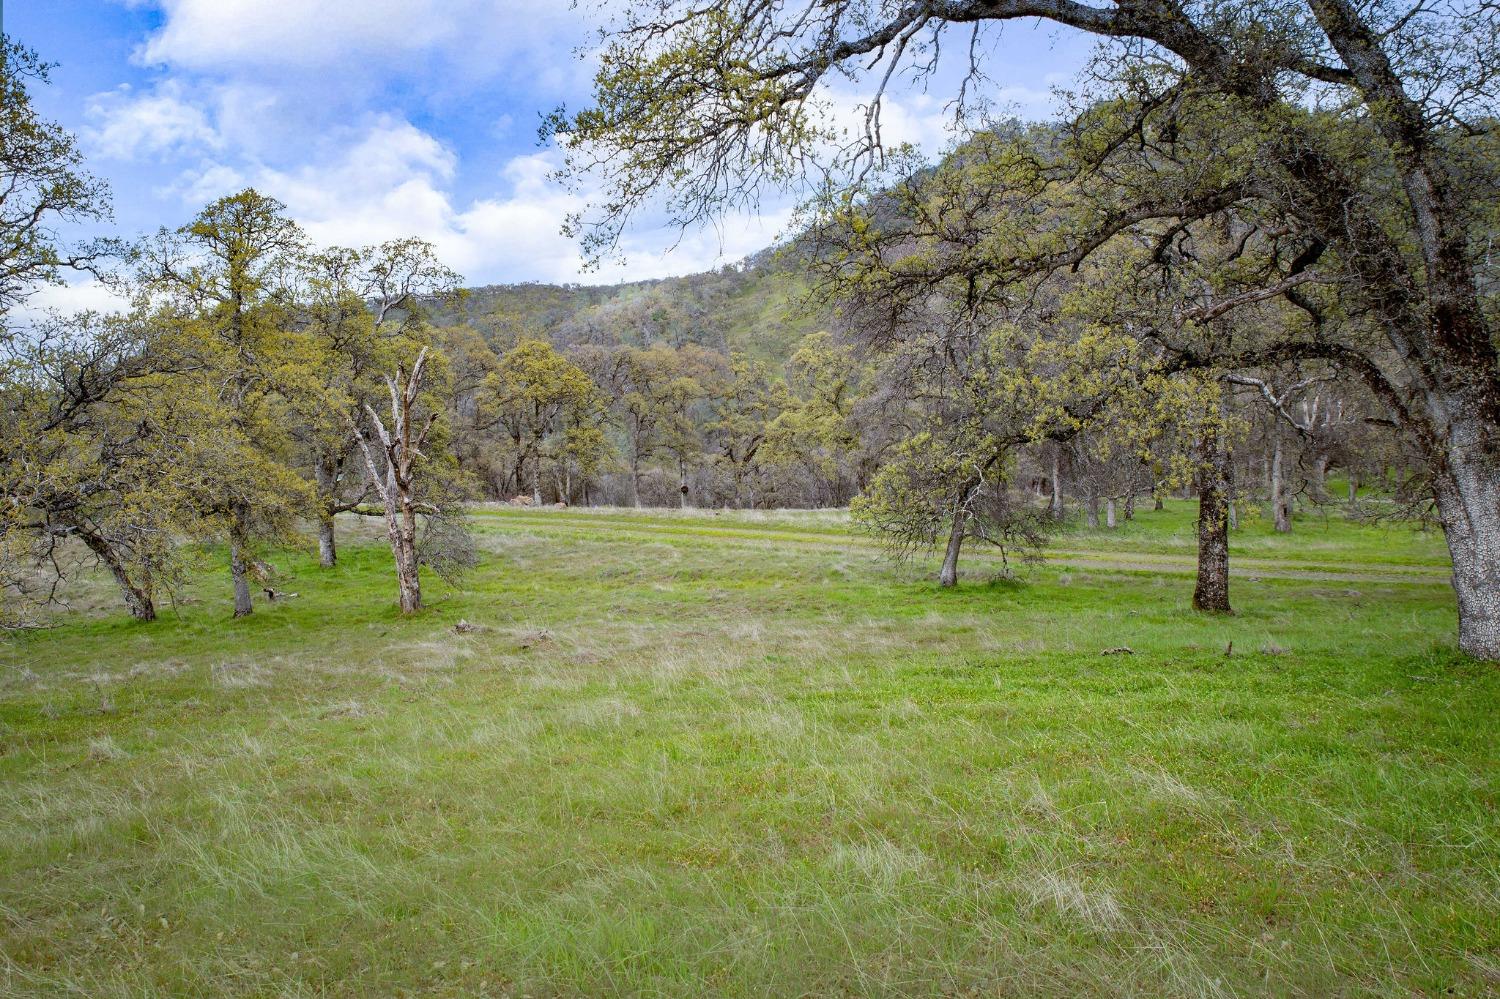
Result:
[{"x": 643, "y": 527}]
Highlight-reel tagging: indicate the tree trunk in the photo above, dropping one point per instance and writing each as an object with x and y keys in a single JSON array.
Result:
[
  {"x": 326, "y": 475},
  {"x": 1468, "y": 499},
  {"x": 1280, "y": 510},
  {"x": 327, "y": 550},
  {"x": 1109, "y": 513},
  {"x": 1057, "y": 488},
  {"x": 1212, "y": 591},
  {"x": 1130, "y": 504},
  {"x": 1320, "y": 476},
  {"x": 1093, "y": 507},
  {"x": 238, "y": 570},
  {"x": 407, "y": 568},
  {"x": 949, "y": 574},
  {"x": 137, "y": 596},
  {"x": 1353, "y": 486}
]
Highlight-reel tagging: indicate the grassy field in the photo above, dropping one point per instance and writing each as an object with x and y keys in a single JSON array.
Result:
[{"x": 740, "y": 754}]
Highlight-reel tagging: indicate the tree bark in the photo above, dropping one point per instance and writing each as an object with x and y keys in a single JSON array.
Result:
[
  {"x": 239, "y": 571},
  {"x": 1212, "y": 592},
  {"x": 1109, "y": 513},
  {"x": 1057, "y": 487},
  {"x": 325, "y": 473},
  {"x": 1093, "y": 506},
  {"x": 949, "y": 575},
  {"x": 328, "y": 555},
  {"x": 1280, "y": 510},
  {"x": 138, "y": 596},
  {"x": 1468, "y": 499}
]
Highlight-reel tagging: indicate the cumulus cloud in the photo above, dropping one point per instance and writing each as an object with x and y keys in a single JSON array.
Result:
[
  {"x": 480, "y": 35},
  {"x": 391, "y": 179},
  {"x": 126, "y": 125}
]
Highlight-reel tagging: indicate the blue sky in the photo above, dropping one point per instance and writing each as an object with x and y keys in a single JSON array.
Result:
[{"x": 373, "y": 119}]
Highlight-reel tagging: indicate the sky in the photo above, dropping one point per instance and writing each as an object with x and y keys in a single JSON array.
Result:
[{"x": 376, "y": 119}]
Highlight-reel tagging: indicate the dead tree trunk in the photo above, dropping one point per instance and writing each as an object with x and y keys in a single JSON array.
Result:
[
  {"x": 1212, "y": 592},
  {"x": 399, "y": 449}
]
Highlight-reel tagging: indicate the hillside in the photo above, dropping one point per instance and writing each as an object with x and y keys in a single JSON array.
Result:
[{"x": 759, "y": 307}]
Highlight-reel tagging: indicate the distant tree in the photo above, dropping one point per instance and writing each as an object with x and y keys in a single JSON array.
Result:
[
  {"x": 544, "y": 403},
  {"x": 742, "y": 411},
  {"x": 816, "y": 431}
]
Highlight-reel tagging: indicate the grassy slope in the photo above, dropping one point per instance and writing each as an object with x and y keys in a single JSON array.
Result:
[{"x": 742, "y": 755}]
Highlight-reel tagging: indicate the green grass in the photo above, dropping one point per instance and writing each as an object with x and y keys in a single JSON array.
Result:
[{"x": 690, "y": 754}]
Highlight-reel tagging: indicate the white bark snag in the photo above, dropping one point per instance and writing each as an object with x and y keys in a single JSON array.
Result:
[{"x": 399, "y": 448}]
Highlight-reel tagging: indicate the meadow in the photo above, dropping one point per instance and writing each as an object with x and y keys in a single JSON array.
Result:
[{"x": 683, "y": 754}]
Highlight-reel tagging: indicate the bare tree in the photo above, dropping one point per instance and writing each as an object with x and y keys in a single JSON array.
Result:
[{"x": 392, "y": 459}]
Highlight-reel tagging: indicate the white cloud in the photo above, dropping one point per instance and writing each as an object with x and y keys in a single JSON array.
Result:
[
  {"x": 481, "y": 35},
  {"x": 86, "y": 294},
  {"x": 126, "y": 125},
  {"x": 391, "y": 179}
]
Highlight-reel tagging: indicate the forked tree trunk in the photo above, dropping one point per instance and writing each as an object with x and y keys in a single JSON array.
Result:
[
  {"x": 1212, "y": 591},
  {"x": 138, "y": 596},
  {"x": 239, "y": 570}
]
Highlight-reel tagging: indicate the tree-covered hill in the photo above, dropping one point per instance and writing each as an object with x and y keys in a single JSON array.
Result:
[{"x": 759, "y": 307}]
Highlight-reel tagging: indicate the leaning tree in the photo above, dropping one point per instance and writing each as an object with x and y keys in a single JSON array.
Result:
[{"x": 1354, "y": 138}]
